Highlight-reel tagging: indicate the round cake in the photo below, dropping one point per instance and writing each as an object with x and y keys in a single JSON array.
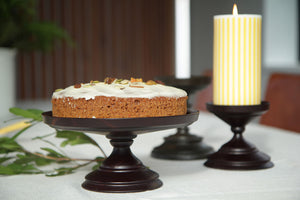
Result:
[{"x": 119, "y": 98}]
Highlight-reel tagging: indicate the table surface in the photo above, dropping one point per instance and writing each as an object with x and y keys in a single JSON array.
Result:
[{"x": 181, "y": 179}]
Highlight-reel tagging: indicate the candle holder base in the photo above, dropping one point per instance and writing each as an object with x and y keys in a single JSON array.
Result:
[
  {"x": 182, "y": 146},
  {"x": 238, "y": 154}
]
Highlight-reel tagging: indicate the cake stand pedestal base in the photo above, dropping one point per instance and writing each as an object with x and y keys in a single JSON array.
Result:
[{"x": 121, "y": 171}]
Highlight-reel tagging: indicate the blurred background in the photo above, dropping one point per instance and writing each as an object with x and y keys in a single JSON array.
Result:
[
  {"x": 124, "y": 38},
  {"x": 135, "y": 38}
]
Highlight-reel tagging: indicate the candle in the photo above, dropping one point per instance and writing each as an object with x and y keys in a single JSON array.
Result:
[
  {"x": 182, "y": 39},
  {"x": 237, "y": 59}
]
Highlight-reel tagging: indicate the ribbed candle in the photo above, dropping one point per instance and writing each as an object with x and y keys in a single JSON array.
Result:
[{"x": 237, "y": 60}]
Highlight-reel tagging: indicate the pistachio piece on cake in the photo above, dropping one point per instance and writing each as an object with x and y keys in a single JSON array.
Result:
[
  {"x": 109, "y": 80},
  {"x": 150, "y": 82},
  {"x": 78, "y": 85}
]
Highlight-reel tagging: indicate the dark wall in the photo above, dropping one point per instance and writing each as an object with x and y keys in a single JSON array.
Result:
[{"x": 117, "y": 38}]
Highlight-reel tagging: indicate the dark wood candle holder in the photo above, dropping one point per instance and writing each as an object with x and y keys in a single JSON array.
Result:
[
  {"x": 238, "y": 154},
  {"x": 121, "y": 171},
  {"x": 183, "y": 145}
]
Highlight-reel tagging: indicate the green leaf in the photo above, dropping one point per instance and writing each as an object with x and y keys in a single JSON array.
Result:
[
  {"x": 56, "y": 154},
  {"x": 18, "y": 169},
  {"x": 34, "y": 114},
  {"x": 3, "y": 159},
  {"x": 29, "y": 158},
  {"x": 53, "y": 153},
  {"x": 44, "y": 35},
  {"x": 6, "y": 170},
  {"x": 8, "y": 145},
  {"x": 96, "y": 166},
  {"x": 42, "y": 137},
  {"x": 37, "y": 112},
  {"x": 39, "y": 161},
  {"x": 74, "y": 138}
]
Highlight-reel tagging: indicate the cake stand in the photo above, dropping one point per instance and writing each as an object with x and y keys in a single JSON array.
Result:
[
  {"x": 121, "y": 171},
  {"x": 238, "y": 154},
  {"x": 183, "y": 145}
]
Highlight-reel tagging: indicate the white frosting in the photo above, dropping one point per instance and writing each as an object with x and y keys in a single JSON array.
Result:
[{"x": 139, "y": 90}]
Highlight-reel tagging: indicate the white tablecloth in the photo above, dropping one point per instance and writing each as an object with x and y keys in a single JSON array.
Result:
[{"x": 181, "y": 179}]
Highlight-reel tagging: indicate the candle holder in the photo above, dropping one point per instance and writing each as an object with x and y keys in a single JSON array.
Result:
[
  {"x": 122, "y": 171},
  {"x": 183, "y": 145},
  {"x": 238, "y": 154}
]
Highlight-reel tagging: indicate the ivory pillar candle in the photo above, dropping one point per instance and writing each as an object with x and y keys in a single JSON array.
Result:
[
  {"x": 237, "y": 59},
  {"x": 182, "y": 39}
]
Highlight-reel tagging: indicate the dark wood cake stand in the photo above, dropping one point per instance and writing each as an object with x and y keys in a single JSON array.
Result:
[
  {"x": 183, "y": 145},
  {"x": 121, "y": 171},
  {"x": 238, "y": 154}
]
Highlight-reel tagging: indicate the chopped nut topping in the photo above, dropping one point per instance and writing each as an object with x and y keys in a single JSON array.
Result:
[
  {"x": 118, "y": 81},
  {"x": 57, "y": 90},
  {"x": 124, "y": 82},
  {"x": 92, "y": 83},
  {"x": 150, "y": 82},
  {"x": 132, "y": 80},
  {"x": 77, "y": 85},
  {"x": 160, "y": 82},
  {"x": 109, "y": 80}
]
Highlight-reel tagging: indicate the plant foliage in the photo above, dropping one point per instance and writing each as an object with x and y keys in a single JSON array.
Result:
[
  {"x": 15, "y": 159},
  {"x": 21, "y": 28}
]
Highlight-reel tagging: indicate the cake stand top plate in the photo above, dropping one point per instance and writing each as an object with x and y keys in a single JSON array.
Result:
[{"x": 133, "y": 125}]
